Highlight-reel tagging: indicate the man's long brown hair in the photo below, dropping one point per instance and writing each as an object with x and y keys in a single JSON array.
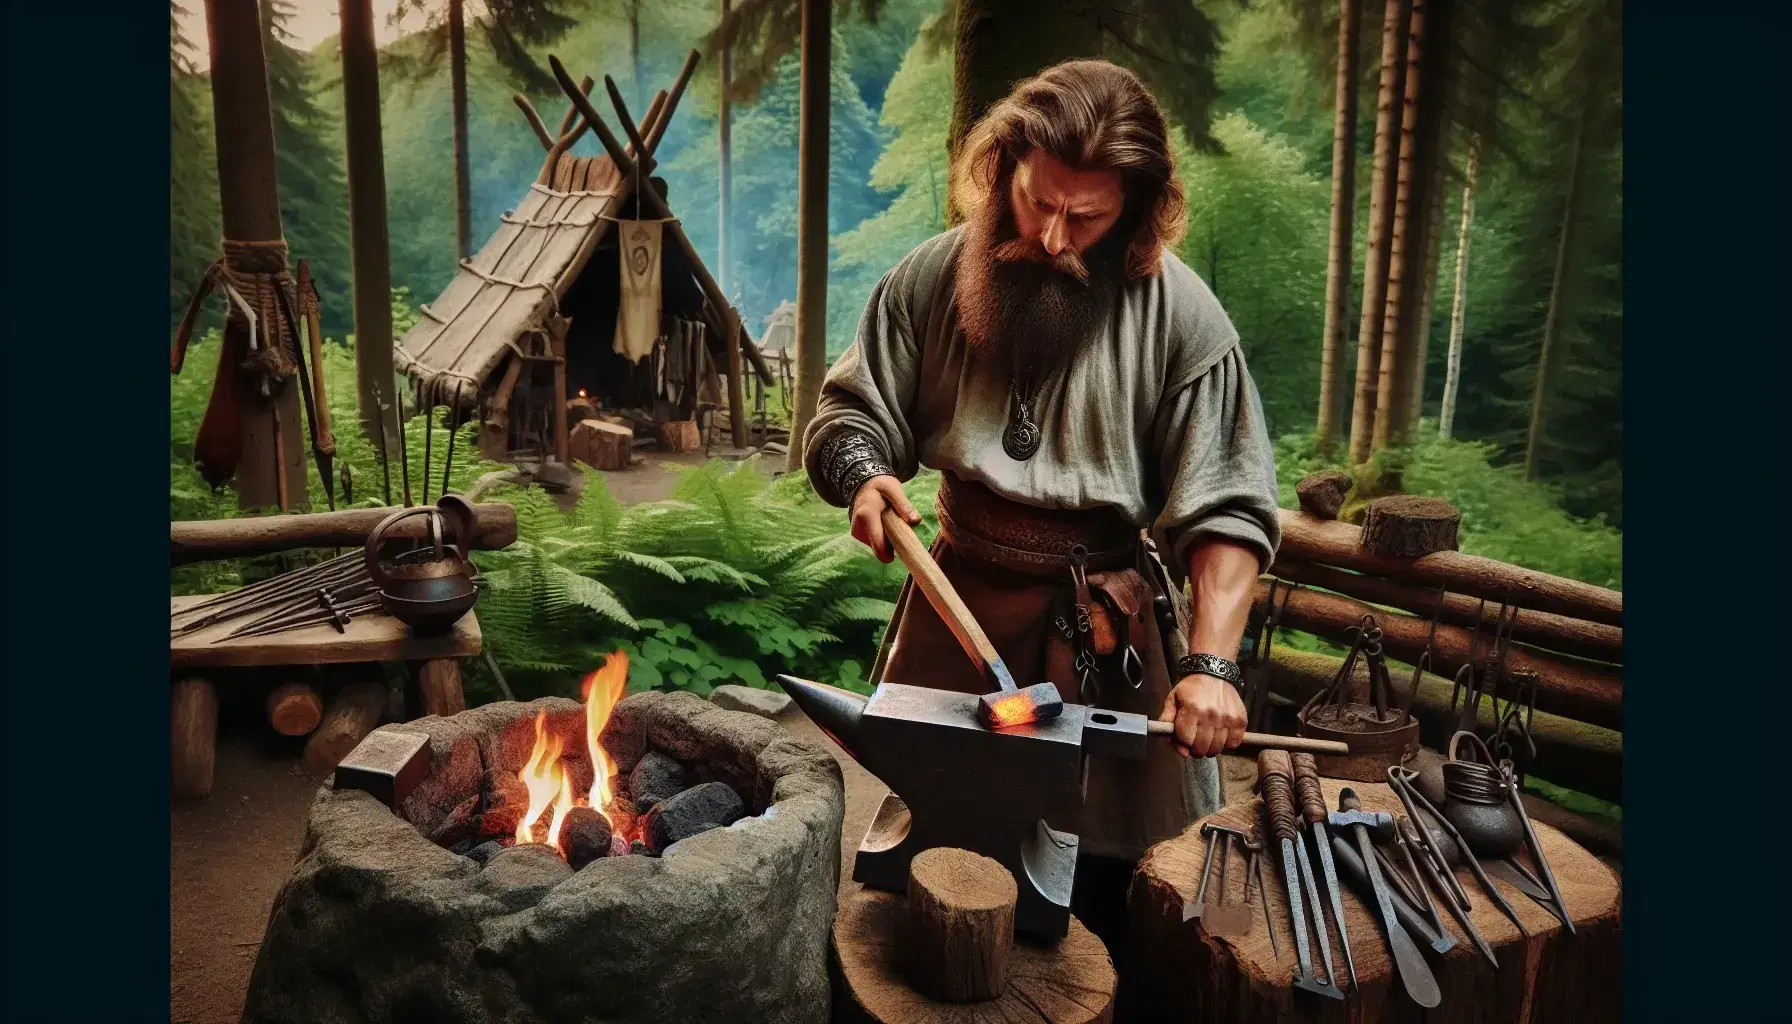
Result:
[{"x": 1092, "y": 115}]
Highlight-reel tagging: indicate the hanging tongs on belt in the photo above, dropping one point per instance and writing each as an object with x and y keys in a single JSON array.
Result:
[{"x": 1088, "y": 680}]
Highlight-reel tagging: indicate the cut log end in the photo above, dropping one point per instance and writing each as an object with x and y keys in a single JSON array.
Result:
[
  {"x": 294, "y": 709},
  {"x": 1409, "y": 526},
  {"x": 603, "y": 444},
  {"x": 1071, "y": 981},
  {"x": 1322, "y": 494},
  {"x": 960, "y": 925},
  {"x": 195, "y": 738},
  {"x": 681, "y": 435},
  {"x": 352, "y": 714}
]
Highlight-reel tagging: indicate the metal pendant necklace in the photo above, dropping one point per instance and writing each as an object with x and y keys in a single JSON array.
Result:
[{"x": 1021, "y": 439}]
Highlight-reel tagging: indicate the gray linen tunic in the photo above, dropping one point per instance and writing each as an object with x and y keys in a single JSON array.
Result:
[{"x": 1158, "y": 417}]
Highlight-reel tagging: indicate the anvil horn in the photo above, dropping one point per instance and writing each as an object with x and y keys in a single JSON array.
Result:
[{"x": 836, "y": 711}]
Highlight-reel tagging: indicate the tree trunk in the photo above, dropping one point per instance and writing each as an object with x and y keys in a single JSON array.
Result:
[
  {"x": 457, "y": 79},
  {"x": 270, "y": 444},
  {"x": 1552, "y": 318},
  {"x": 1337, "y": 273},
  {"x": 996, "y": 44},
  {"x": 367, "y": 224},
  {"x": 1381, "y": 203},
  {"x": 1396, "y": 332},
  {"x": 1421, "y": 348},
  {"x": 1446, "y": 417},
  {"x": 812, "y": 222},
  {"x": 724, "y": 152}
]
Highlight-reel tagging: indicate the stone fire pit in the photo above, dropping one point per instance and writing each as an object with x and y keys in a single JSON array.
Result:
[{"x": 381, "y": 923}]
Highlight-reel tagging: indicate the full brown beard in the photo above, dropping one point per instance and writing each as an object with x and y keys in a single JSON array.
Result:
[{"x": 1020, "y": 305}]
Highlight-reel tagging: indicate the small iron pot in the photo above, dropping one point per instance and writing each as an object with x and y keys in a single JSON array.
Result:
[
  {"x": 1478, "y": 802},
  {"x": 430, "y": 588}
]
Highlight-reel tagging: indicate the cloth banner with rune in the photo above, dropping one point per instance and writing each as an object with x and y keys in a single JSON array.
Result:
[{"x": 638, "y": 314}]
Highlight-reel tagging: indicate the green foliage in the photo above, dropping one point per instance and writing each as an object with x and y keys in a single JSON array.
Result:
[
  {"x": 1503, "y": 516},
  {"x": 1257, "y": 229},
  {"x": 733, "y": 579}
]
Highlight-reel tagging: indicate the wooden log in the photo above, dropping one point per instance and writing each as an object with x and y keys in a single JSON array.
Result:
[
  {"x": 603, "y": 445},
  {"x": 1540, "y": 629},
  {"x": 960, "y": 925},
  {"x": 194, "y": 738},
  {"x": 1315, "y": 540},
  {"x": 681, "y": 435},
  {"x": 1069, "y": 982},
  {"x": 1410, "y": 526},
  {"x": 1581, "y": 690},
  {"x": 438, "y": 684},
  {"x": 1582, "y": 757},
  {"x": 579, "y": 409},
  {"x": 198, "y": 540},
  {"x": 294, "y": 709},
  {"x": 353, "y": 713},
  {"x": 1181, "y": 973},
  {"x": 1322, "y": 494}
]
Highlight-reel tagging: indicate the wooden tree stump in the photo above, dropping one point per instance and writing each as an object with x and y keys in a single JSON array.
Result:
[
  {"x": 195, "y": 738},
  {"x": 681, "y": 435},
  {"x": 353, "y": 713},
  {"x": 1069, "y": 982},
  {"x": 602, "y": 444},
  {"x": 960, "y": 925},
  {"x": 1408, "y": 526},
  {"x": 1322, "y": 494},
  {"x": 294, "y": 709},
  {"x": 1180, "y": 973},
  {"x": 438, "y": 683}
]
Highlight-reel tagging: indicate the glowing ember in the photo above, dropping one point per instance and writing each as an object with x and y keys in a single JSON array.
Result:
[
  {"x": 1013, "y": 710},
  {"x": 581, "y": 392},
  {"x": 550, "y": 785}
]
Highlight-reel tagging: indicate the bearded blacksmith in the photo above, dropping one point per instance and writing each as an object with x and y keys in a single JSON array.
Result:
[{"x": 1079, "y": 389}]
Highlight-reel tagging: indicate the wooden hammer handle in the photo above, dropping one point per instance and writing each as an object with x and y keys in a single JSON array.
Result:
[
  {"x": 945, "y": 600},
  {"x": 1267, "y": 740}
]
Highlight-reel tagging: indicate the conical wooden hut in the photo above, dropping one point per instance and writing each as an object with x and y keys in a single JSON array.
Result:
[{"x": 528, "y": 325}]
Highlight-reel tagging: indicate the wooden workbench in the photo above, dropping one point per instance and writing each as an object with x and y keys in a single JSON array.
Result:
[
  {"x": 1181, "y": 973},
  {"x": 373, "y": 636},
  {"x": 370, "y": 637}
]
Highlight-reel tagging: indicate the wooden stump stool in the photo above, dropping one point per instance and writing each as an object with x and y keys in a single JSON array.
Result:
[
  {"x": 1180, "y": 973},
  {"x": 602, "y": 444},
  {"x": 1069, "y": 981}
]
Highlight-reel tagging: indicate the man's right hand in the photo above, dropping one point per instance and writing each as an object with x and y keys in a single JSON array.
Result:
[{"x": 875, "y": 495}]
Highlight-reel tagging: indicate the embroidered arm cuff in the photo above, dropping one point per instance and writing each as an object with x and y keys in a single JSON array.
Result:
[{"x": 847, "y": 460}]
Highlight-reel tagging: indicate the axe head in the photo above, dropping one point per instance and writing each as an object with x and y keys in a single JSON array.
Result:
[{"x": 1005, "y": 708}]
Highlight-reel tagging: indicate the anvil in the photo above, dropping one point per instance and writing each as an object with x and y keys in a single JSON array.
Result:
[{"x": 955, "y": 782}]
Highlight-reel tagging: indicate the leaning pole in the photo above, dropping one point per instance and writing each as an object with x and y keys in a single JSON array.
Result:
[{"x": 374, "y": 378}]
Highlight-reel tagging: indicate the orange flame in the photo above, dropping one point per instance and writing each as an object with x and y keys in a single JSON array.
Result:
[
  {"x": 550, "y": 785},
  {"x": 1013, "y": 710},
  {"x": 601, "y": 690}
]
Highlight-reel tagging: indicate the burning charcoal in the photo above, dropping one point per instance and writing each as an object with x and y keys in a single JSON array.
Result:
[
  {"x": 460, "y": 827},
  {"x": 619, "y": 845},
  {"x": 584, "y": 836},
  {"x": 507, "y": 800},
  {"x": 621, "y": 812},
  {"x": 656, "y": 778},
  {"x": 485, "y": 851},
  {"x": 695, "y": 810}
]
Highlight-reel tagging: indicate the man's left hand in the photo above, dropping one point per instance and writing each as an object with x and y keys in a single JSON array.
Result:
[{"x": 1208, "y": 714}]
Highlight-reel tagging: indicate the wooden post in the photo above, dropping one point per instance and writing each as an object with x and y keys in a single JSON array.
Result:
[
  {"x": 367, "y": 222},
  {"x": 352, "y": 715},
  {"x": 557, "y": 342},
  {"x": 724, "y": 153},
  {"x": 812, "y": 224},
  {"x": 294, "y": 709},
  {"x": 1337, "y": 277},
  {"x": 195, "y": 738},
  {"x": 457, "y": 78},
  {"x": 438, "y": 683},
  {"x": 249, "y": 202},
  {"x": 737, "y": 406},
  {"x": 960, "y": 925}
]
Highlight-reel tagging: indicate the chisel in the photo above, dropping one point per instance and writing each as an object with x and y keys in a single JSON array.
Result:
[
  {"x": 1415, "y": 973},
  {"x": 1275, "y": 780},
  {"x": 1312, "y": 807}
]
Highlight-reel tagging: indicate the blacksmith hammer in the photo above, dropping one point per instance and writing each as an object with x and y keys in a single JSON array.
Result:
[{"x": 1011, "y": 706}]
